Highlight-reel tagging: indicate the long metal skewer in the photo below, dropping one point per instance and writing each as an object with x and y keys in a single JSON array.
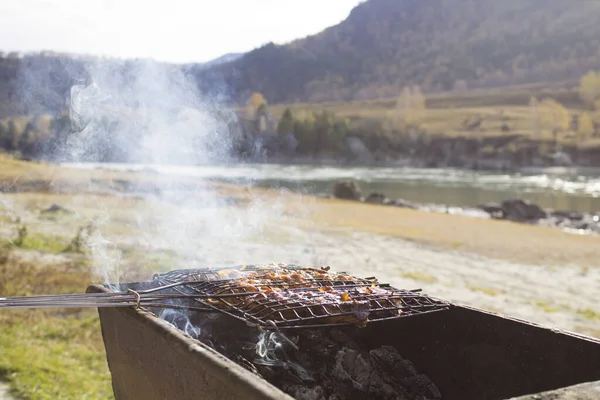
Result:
[
  {"x": 147, "y": 297},
  {"x": 119, "y": 299}
]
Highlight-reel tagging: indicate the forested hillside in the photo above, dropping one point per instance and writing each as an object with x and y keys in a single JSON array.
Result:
[
  {"x": 437, "y": 44},
  {"x": 381, "y": 47}
]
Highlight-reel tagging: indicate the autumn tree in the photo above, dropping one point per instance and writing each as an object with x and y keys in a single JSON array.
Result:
[
  {"x": 253, "y": 104},
  {"x": 261, "y": 116},
  {"x": 585, "y": 127},
  {"x": 410, "y": 106},
  {"x": 286, "y": 123},
  {"x": 589, "y": 88},
  {"x": 554, "y": 117}
]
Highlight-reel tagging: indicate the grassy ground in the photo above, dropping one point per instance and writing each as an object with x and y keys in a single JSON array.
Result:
[{"x": 49, "y": 354}]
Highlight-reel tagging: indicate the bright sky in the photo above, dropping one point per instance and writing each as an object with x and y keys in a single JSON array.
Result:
[{"x": 168, "y": 30}]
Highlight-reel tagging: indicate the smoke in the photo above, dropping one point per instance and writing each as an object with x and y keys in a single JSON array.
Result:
[
  {"x": 268, "y": 345},
  {"x": 150, "y": 113},
  {"x": 146, "y": 112},
  {"x": 180, "y": 320}
]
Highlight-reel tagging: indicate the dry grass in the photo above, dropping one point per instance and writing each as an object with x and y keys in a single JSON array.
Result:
[
  {"x": 418, "y": 276},
  {"x": 44, "y": 177}
]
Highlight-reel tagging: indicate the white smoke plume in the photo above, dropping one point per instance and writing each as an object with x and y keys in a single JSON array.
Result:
[
  {"x": 150, "y": 113},
  {"x": 153, "y": 113}
]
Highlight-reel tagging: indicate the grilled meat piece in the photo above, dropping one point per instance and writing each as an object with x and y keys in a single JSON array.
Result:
[{"x": 291, "y": 296}]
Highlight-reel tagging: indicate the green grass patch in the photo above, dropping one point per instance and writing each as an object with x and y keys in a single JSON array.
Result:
[
  {"x": 456, "y": 245},
  {"x": 50, "y": 353},
  {"x": 589, "y": 314},
  {"x": 45, "y": 243},
  {"x": 55, "y": 358},
  {"x": 486, "y": 290},
  {"x": 546, "y": 307},
  {"x": 419, "y": 276},
  {"x": 40, "y": 242}
]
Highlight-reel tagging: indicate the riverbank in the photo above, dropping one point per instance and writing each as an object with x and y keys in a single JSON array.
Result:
[
  {"x": 526, "y": 271},
  {"x": 514, "y": 210},
  {"x": 556, "y": 188}
]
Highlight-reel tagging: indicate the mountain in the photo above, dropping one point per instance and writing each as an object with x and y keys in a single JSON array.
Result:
[
  {"x": 382, "y": 46},
  {"x": 437, "y": 44},
  {"x": 224, "y": 59}
]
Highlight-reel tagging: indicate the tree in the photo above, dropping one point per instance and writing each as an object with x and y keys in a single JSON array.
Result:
[
  {"x": 323, "y": 125},
  {"x": 585, "y": 127},
  {"x": 286, "y": 123},
  {"x": 589, "y": 88},
  {"x": 14, "y": 133},
  {"x": 554, "y": 117},
  {"x": 5, "y": 140},
  {"x": 410, "y": 107},
  {"x": 255, "y": 101},
  {"x": 261, "y": 117},
  {"x": 304, "y": 132},
  {"x": 338, "y": 133}
]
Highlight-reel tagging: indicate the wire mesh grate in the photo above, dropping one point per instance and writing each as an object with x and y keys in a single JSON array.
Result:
[{"x": 286, "y": 297}]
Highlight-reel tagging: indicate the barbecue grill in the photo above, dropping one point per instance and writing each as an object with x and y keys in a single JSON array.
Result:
[
  {"x": 291, "y": 309},
  {"x": 295, "y": 304}
]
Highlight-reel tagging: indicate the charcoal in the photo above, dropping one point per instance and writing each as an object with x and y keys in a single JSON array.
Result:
[
  {"x": 388, "y": 358},
  {"x": 422, "y": 384},
  {"x": 328, "y": 365},
  {"x": 305, "y": 393}
]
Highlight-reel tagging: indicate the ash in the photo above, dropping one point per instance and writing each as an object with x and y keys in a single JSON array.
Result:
[{"x": 329, "y": 365}]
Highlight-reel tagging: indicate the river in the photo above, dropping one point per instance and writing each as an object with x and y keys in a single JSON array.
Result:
[{"x": 573, "y": 189}]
